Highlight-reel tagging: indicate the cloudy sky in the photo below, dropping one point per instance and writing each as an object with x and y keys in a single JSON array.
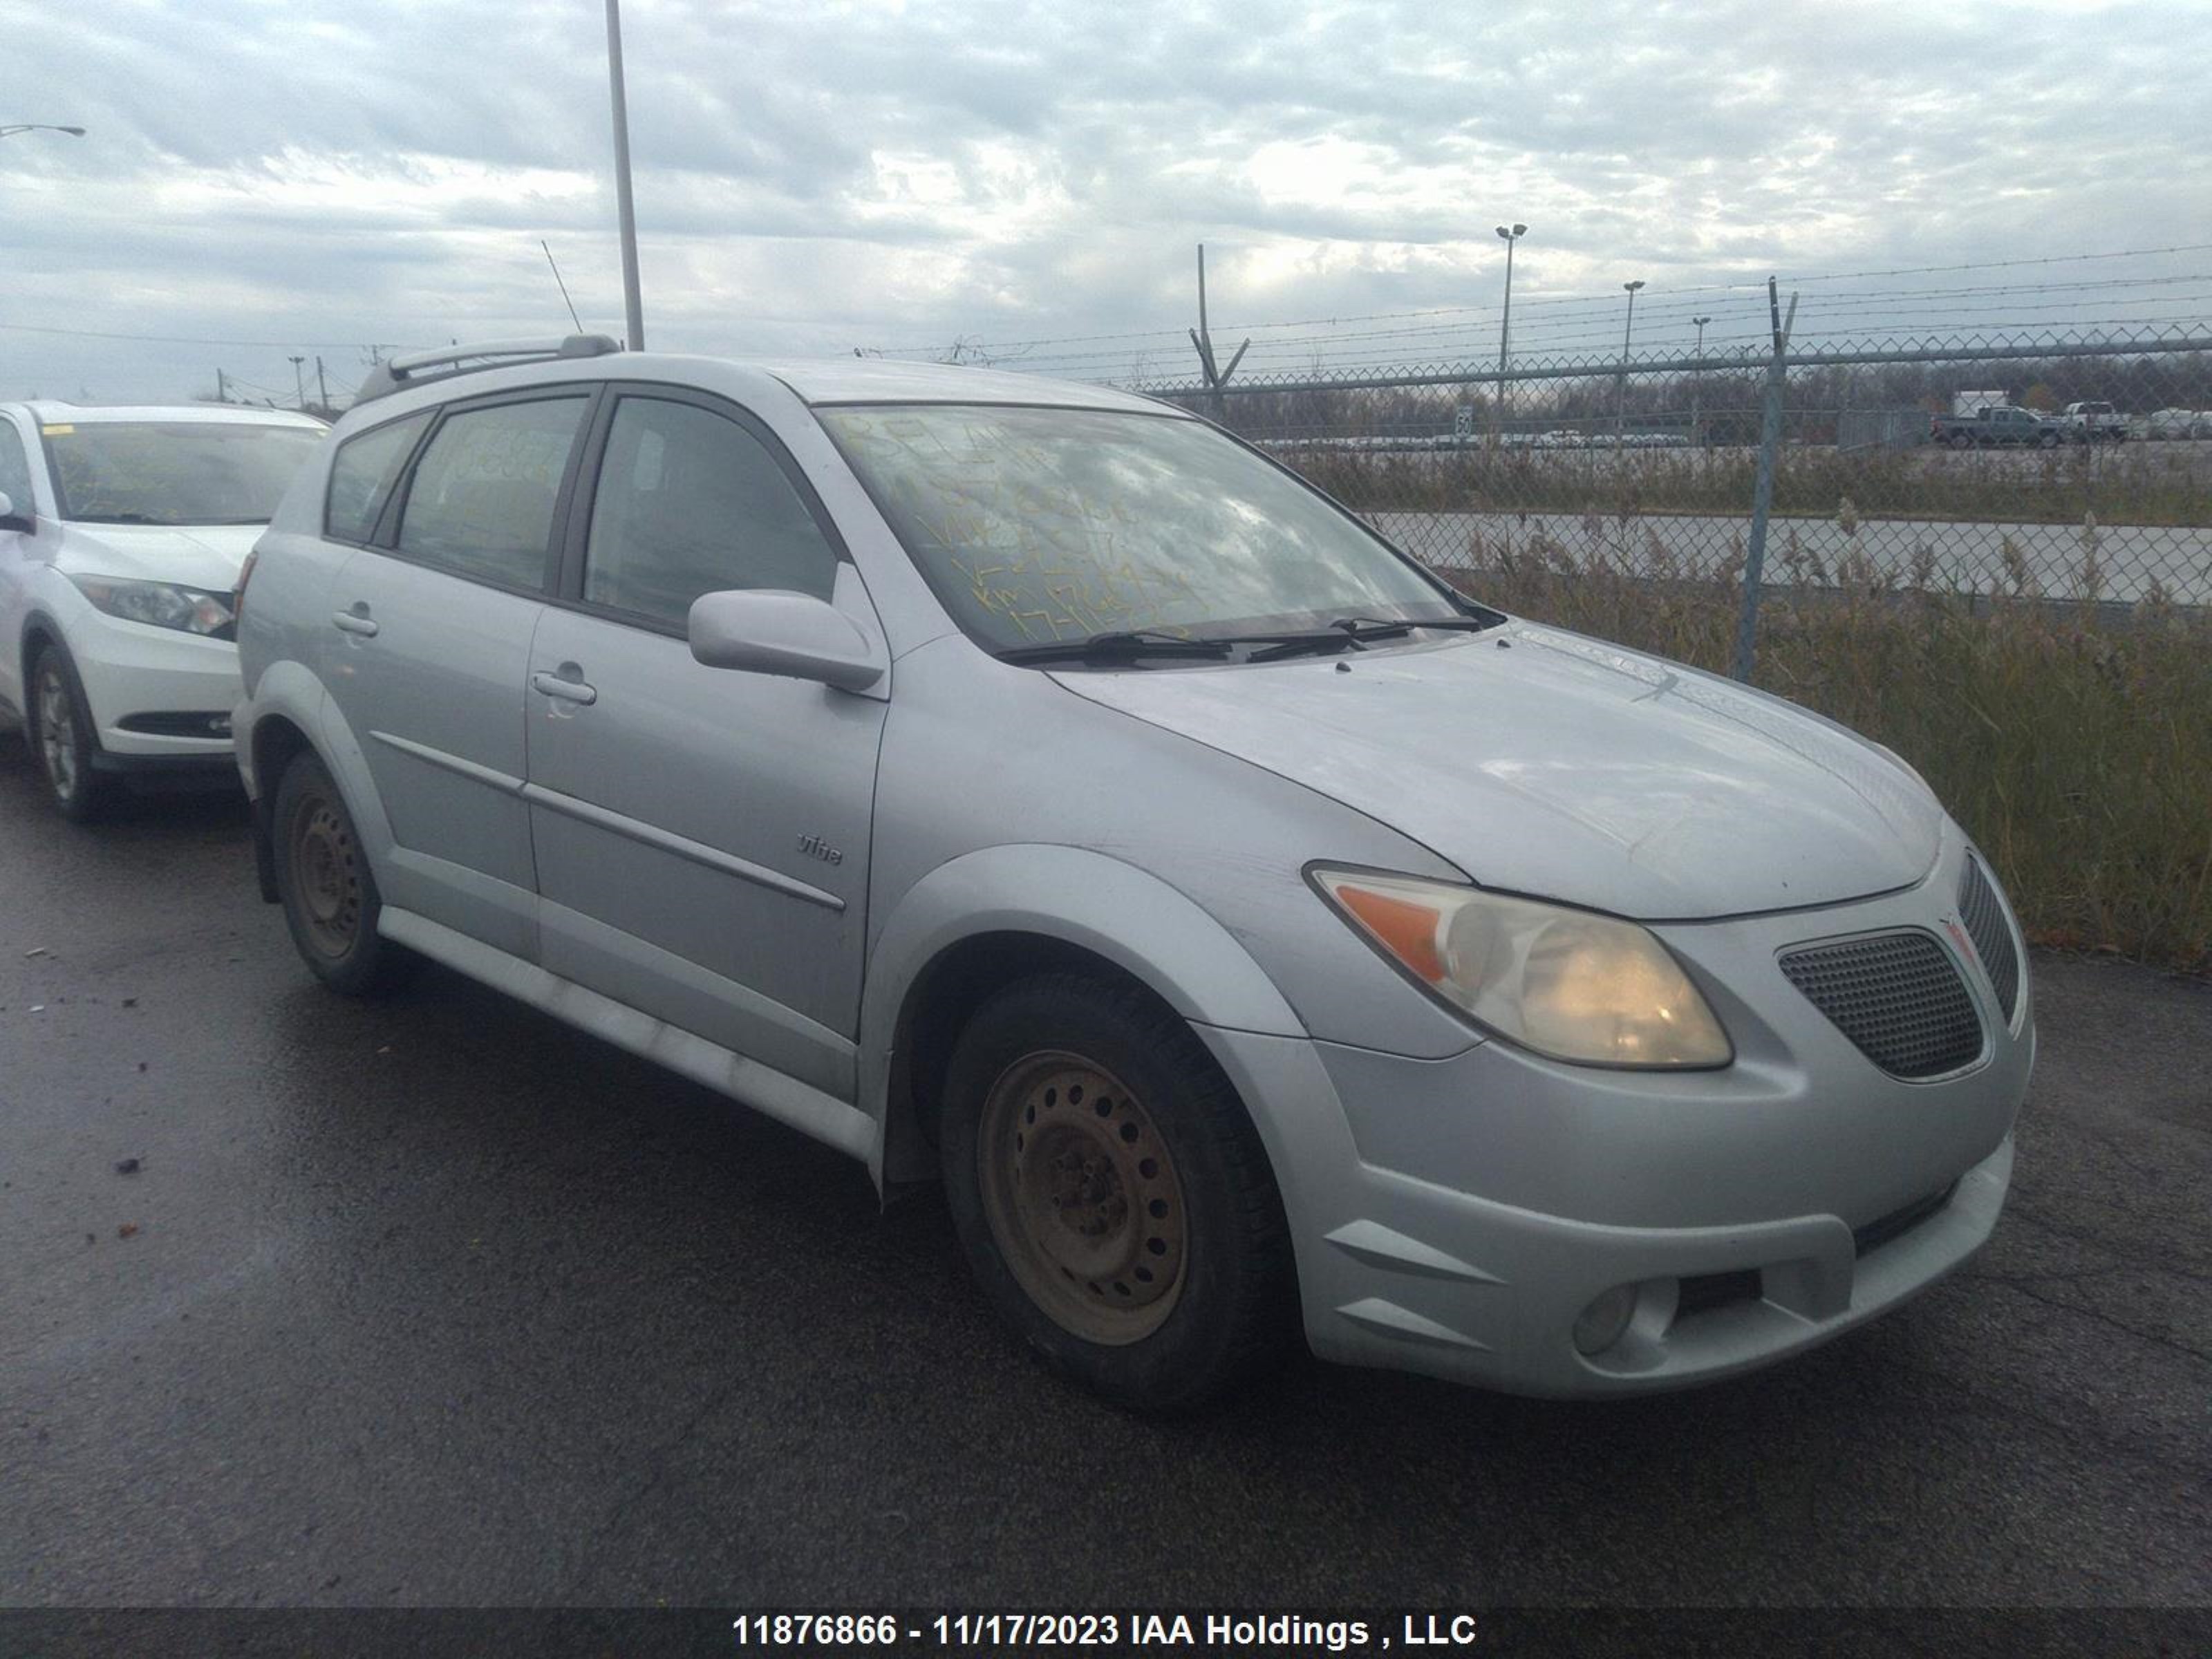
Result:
[{"x": 266, "y": 178}]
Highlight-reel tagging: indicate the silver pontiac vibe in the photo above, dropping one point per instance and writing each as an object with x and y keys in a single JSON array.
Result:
[{"x": 1030, "y": 788}]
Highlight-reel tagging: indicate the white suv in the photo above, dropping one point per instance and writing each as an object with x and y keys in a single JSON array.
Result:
[{"x": 121, "y": 534}]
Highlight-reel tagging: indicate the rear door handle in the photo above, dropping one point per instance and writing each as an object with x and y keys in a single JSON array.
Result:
[
  {"x": 553, "y": 685},
  {"x": 356, "y": 620}
]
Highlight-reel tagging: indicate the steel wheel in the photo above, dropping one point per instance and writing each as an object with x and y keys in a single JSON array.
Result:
[
  {"x": 326, "y": 864},
  {"x": 1082, "y": 1198},
  {"x": 328, "y": 886},
  {"x": 57, "y": 733}
]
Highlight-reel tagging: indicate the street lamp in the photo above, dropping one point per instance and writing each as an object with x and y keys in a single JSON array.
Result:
[
  {"x": 15, "y": 127},
  {"x": 1509, "y": 236},
  {"x": 632, "y": 307},
  {"x": 1620, "y": 404},
  {"x": 1697, "y": 380}
]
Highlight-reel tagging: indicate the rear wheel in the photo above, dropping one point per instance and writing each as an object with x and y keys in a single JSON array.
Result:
[
  {"x": 61, "y": 731},
  {"x": 1112, "y": 1195},
  {"x": 330, "y": 896},
  {"x": 1962, "y": 440}
]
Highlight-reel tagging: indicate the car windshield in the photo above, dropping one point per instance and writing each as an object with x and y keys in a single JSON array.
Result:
[
  {"x": 174, "y": 471},
  {"x": 1040, "y": 525}
]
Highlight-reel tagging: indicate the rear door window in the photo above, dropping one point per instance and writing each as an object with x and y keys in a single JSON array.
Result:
[
  {"x": 482, "y": 500},
  {"x": 362, "y": 473}
]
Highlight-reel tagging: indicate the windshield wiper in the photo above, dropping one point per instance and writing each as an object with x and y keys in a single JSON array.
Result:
[
  {"x": 1348, "y": 633},
  {"x": 1123, "y": 646}
]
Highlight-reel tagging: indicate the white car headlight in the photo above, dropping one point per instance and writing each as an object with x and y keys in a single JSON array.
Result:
[
  {"x": 1570, "y": 984},
  {"x": 159, "y": 604}
]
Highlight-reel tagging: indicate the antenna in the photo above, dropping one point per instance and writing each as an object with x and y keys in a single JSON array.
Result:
[{"x": 571, "y": 304}]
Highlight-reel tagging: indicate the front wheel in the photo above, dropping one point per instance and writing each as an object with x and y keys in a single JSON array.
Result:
[
  {"x": 1112, "y": 1196},
  {"x": 62, "y": 732},
  {"x": 330, "y": 896}
]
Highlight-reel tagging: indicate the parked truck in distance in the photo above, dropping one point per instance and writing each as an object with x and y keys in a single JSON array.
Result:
[
  {"x": 1995, "y": 424},
  {"x": 1967, "y": 404},
  {"x": 2092, "y": 422}
]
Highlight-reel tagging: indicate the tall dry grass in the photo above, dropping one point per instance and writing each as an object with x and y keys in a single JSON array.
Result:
[
  {"x": 2073, "y": 741},
  {"x": 2139, "y": 483}
]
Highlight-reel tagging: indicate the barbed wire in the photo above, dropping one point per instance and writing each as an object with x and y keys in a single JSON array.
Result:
[
  {"x": 1677, "y": 297},
  {"x": 1926, "y": 315}
]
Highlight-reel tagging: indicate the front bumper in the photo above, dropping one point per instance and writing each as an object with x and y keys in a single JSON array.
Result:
[
  {"x": 1456, "y": 1217},
  {"x": 130, "y": 671}
]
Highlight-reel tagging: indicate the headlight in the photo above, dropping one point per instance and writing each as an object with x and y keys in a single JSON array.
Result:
[
  {"x": 161, "y": 605},
  {"x": 1567, "y": 983}
]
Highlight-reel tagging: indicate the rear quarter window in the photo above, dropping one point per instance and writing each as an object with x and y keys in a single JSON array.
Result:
[{"x": 362, "y": 473}]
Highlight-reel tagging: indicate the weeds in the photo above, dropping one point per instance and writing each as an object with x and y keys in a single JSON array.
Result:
[
  {"x": 2145, "y": 484},
  {"x": 2073, "y": 741}
]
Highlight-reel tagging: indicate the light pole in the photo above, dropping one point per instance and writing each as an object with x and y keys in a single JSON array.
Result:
[
  {"x": 1698, "y": 380},
  {"x": 632, "y": 307},
  {"x": 15, "y": 127},
  {"x": 1620, "y": 402},
  {"x": 1509, "y": 236},
  {"x": 299, "y": 384}
]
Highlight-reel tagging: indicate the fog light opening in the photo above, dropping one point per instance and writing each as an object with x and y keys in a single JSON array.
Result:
[{"x": 1606, "y": 1320}]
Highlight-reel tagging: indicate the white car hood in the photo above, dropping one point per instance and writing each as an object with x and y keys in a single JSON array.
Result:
[
  {"x": 205, "y": 556},
  {"x": 1563, "y": 767}
]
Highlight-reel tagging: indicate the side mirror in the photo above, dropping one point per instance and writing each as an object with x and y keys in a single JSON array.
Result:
[
  {"x": 12, "y": 520},
  {"x": 767, "y": 631}
]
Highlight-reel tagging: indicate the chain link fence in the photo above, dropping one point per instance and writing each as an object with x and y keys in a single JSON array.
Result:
[
  {"x": 1993, "y": 555},
  {"x": 1883, "y": 474}
]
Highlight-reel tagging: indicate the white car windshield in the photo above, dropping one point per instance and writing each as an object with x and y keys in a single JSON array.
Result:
[
  {"x": 1043, "y": 525},
  {"x": 173, "y": 472}
]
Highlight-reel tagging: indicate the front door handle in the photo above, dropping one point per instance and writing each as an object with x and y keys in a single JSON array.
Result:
[
  {"x": 356, "y": 620},
  {"x": 568, "y": 690}
]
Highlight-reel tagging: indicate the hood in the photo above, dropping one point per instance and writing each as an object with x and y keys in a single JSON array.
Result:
[
  {"x": 203, "y": 556},
  {"x": 1562, "y": 767}
]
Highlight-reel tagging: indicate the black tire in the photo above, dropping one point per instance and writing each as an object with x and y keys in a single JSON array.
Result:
[
  {"x": 329, "y": 892},
  {"x": 2048, "y": 440},
  {"x": 60, "y": 733},
  {"x": 1156, "y": 1181},
  {"x": 1962, "y": 440}
]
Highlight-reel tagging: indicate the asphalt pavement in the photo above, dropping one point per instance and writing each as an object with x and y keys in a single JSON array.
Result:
[{"x": 306, "y": 1302}]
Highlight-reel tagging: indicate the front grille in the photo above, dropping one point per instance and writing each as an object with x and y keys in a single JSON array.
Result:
[
  {"x": 1897, "y": 996},
  {"x": 1984, "y": 914}
]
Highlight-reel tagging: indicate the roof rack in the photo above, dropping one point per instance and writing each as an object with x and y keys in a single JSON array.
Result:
[{"x": 413, "y": 368}]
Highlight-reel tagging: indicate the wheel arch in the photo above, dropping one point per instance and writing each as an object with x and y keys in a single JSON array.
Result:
[
  {"x": 40, "y": 627},
  {"x": 275, "y": 740},
  {"x": 989, "y": 918},
  {"x": 288, "y": 712}
]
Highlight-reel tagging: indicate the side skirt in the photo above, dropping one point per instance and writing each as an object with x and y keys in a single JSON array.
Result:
[{"x": 764, "y": 1088}]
